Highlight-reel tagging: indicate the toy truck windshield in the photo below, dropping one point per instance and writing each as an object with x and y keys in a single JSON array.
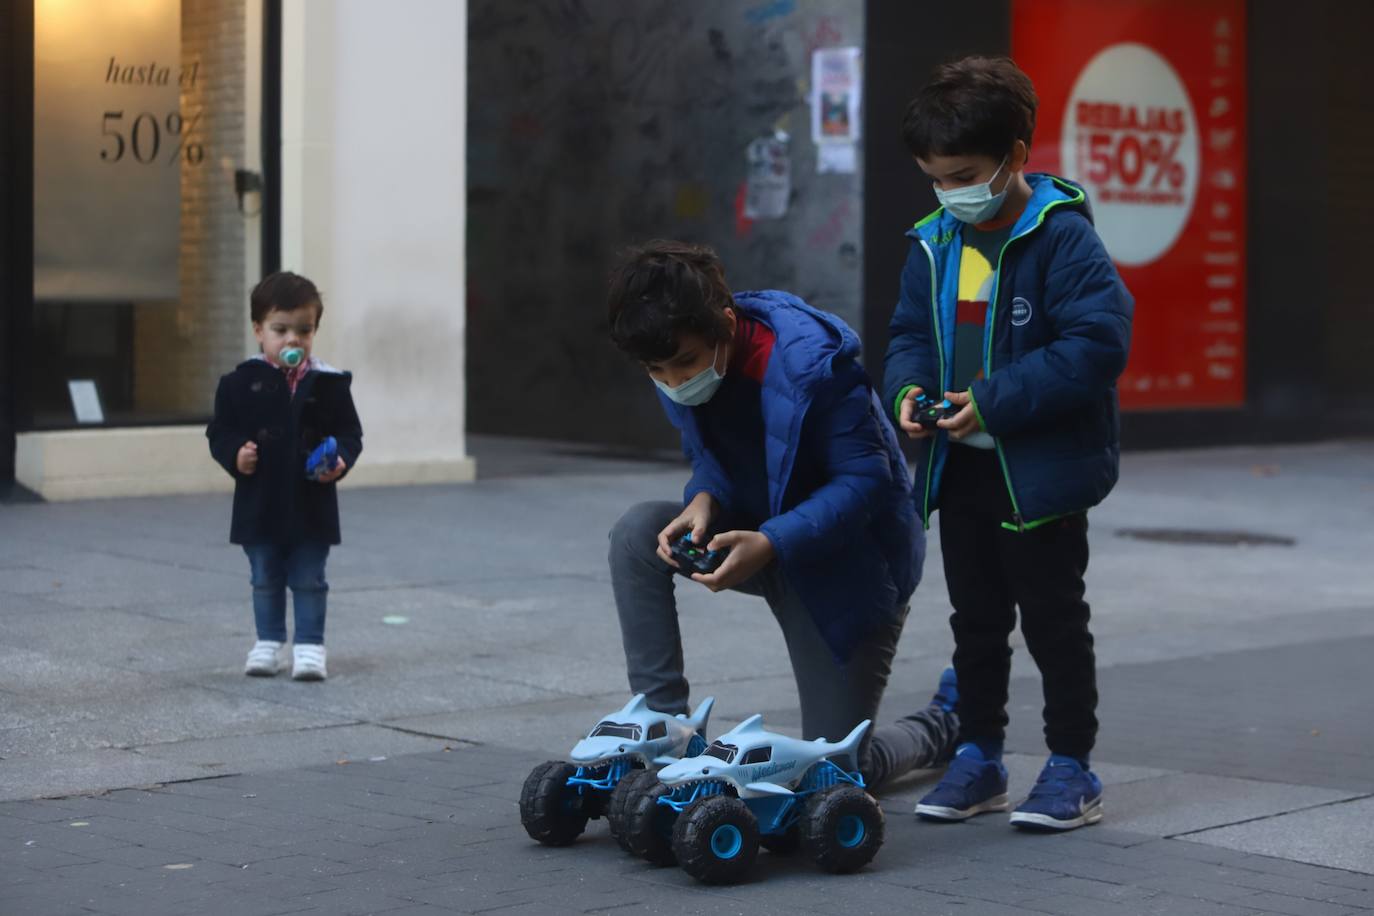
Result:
[
  {"x": 615, "y": 730},
  {"x": 721, "y": 751}
]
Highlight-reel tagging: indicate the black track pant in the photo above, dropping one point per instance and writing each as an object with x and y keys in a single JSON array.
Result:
[{"x": 993, "y": 571}]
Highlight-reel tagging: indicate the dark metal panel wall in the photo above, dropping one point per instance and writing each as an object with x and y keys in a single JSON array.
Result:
[
  {"x": 16, "y": 220},
  {"x": 1344, "y": 50},
  {"x": 904, "y": 42},
  {"x": 1310, "y": 314}
]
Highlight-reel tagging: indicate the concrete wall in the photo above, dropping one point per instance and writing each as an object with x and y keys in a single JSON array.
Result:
[
  {"x": 597, "y": 124},
  {"x": 373, "y": 126}
]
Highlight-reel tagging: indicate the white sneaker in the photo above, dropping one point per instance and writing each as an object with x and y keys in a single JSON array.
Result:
[
  {"x": 262, "y": 659},
  {"x": 309, "y": 663}
]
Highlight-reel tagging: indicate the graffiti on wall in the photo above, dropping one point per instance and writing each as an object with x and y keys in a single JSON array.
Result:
[{"x": 593, "y": 126}]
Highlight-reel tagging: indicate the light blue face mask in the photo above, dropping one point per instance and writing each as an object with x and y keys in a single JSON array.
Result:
[
  {"x": 975, "y": 203},
  {"x": 698, "y": 389}
]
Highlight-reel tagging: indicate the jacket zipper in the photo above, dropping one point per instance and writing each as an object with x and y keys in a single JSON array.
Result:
[
  {"x": 1016, "y": 517},
  {"x": 1020, "y": 524},
  {"x": 940, "y": 350}
]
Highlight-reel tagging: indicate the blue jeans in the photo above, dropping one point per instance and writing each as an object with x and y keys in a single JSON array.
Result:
[{"x": 301, "y": 566}]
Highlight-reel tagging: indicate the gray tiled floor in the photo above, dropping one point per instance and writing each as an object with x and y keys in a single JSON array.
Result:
[{"x": 1237, "y": 747}]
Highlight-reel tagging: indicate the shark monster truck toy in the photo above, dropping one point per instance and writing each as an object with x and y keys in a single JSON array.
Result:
[
  {"x": 751, "y": 787},
  {"x": 620, "y": 754}
]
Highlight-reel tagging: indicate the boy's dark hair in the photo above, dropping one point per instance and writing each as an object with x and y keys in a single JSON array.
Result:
[
  {"x": 973, "y": 106},
  {"x": 285, "y": 292},
  {"x": 662, "y": 290}
]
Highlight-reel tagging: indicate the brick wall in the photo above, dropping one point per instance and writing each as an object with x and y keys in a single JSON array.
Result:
[{"x": 181, "y": 348}]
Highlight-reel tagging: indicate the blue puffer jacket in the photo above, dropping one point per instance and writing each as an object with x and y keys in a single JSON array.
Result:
[
  {"x": 849, "y": 546},
  {"x": 1057, "y": 336}
]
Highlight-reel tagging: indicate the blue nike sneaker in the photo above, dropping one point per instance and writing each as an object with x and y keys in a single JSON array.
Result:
[
  {"x": 1064, "y": 797},
  {"x": 971, "y": 785}
]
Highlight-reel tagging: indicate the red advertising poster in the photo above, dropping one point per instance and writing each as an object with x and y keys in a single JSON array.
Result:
[{"x": 1143, "y": 103}]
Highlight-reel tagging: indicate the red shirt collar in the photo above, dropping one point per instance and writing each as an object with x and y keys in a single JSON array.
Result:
[{"x": 753, "y": 347}]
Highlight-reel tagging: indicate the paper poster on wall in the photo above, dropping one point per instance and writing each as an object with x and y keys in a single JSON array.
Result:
[
  {"x": 837, "y": 158},
  {"x": 836, "y": 90},
  {"x": 768, "y": 184},
  {"x": 1146, "y": 109}
]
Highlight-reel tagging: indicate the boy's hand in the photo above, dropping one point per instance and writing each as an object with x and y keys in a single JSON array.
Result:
[
  {"x": 750, "y": 551},
  {"x": 696, "y": 518},
  {"x": 913, "y": 430},
  {"x": 335, "y": 472},
  {"x": 247, "y": 460},
  {"x": 965, "y": 422}
]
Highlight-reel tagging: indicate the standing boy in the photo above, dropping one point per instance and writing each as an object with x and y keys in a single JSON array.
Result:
[
  {"x": 271, "y": 412},
  {"x": 796, "y": 470},
  {"x": 1012, "y": 311}
]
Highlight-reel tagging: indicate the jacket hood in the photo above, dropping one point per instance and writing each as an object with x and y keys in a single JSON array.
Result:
[{"x": 803, "y": 333}]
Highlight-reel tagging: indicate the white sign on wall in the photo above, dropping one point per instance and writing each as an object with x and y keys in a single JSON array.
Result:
[
  {"x": 85, "y": 401},
  {"x": 768, "y": 187},
  {"x": 1130, "y": 137}
]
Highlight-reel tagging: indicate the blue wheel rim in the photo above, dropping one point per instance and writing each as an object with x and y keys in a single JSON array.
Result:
[
  {"x": 850, "y": 831},
  {"x": 570, "y": 801},
  {"x": 726, "y": 841}
]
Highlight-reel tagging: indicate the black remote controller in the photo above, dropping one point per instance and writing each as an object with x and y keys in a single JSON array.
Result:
[
  {"x": 926, "y": 411},
  {"x": 694, "y": 559}
]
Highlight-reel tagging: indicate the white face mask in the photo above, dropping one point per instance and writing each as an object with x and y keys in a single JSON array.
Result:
[
  {"x": 975, "y": 203},
  {"x": 698, "y": 389}
]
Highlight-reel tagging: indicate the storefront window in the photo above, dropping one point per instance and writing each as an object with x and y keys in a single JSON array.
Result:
[{"x": 143, "y": 244}]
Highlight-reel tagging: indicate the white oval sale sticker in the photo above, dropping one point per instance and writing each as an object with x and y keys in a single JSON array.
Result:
[{"x": 1130, "y": 138}]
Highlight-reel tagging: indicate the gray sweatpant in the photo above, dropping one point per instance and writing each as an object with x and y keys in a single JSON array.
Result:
[{"x": 834, "y": 697}]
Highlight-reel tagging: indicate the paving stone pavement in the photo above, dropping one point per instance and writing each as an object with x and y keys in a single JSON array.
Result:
[
  {"x": 439, "y": 832},
  {"x": 141, "y": 773}
]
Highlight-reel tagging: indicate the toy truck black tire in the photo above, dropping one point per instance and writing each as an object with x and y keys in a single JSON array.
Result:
[
  {"x": 842, "y": 829},
  {"x": 716, "y": 839},
  {"x": 631, "y": 785},
  {"x": 647, "y": 826},
  {"x": 551, "y": 811}
]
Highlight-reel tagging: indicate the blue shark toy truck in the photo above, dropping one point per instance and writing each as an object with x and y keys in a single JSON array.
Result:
[
  {"x": 620, "y": 755},
  {"x": 749, "y": 788}
]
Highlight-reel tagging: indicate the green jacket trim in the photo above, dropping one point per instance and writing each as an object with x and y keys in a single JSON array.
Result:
[
  {"x": 976, "y": 412},
  {"x": 897, "y": 406},
  {"x": 1038, "y": 523}
]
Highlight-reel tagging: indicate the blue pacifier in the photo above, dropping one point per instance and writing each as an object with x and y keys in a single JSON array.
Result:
[{"x": 291, "y": 357}]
